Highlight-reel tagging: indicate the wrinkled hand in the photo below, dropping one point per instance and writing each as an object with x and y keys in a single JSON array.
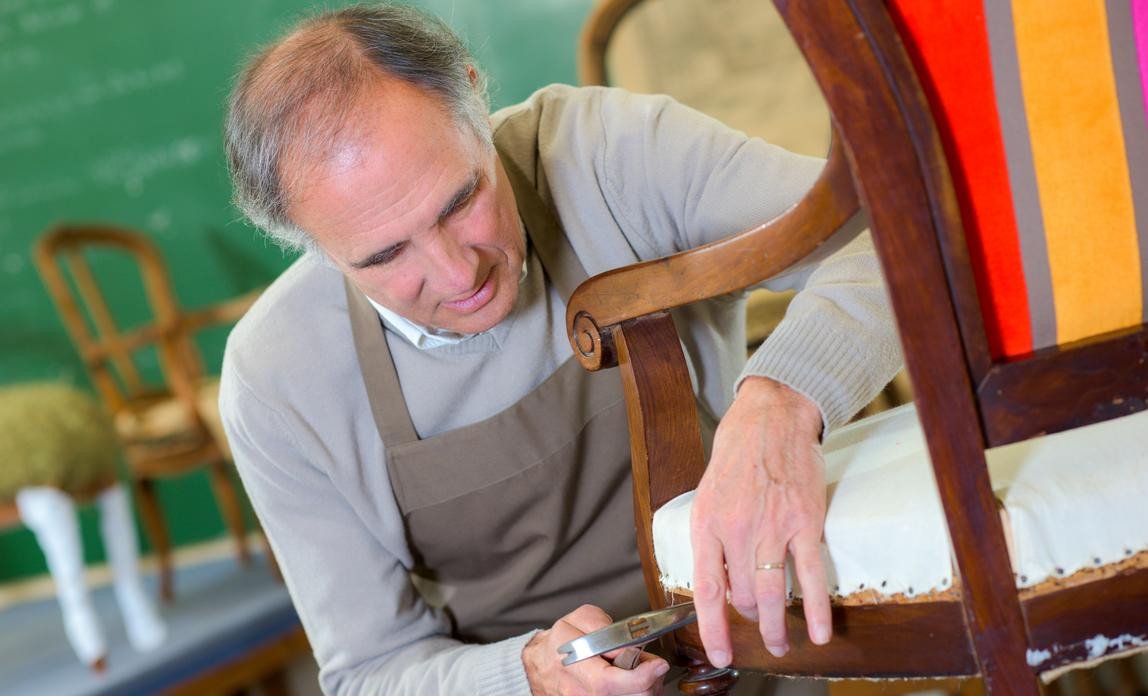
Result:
[
  {"x": 762, "y": 496},
  {"x": 593, "y": 677}
]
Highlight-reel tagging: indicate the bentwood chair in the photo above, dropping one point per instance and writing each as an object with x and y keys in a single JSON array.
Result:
[
  {"x": 168, "y": 428},
  {"x": 996, "y": 527}
]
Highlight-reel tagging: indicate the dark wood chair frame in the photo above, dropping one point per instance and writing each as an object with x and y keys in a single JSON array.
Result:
[
  {"x": 106, "y": 354},
  {"x": 887, "y": 159}
]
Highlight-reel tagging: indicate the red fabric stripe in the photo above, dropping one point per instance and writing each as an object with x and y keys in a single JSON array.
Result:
[{"x": 948, "y": 43}]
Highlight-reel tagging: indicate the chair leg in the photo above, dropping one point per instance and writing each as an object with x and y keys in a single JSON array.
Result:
[
  {"x": 156, "y": 528},
  {"x": 228, "y": 500},
  {"x": 51, "y": 515},
  {"x": 703, "y": 679},
  {"x": 145, "y": 629},
  {"x": 269, "y": 554}
]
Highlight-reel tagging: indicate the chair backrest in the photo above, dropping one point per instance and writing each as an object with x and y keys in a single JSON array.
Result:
[
  {"x": 736, "y": 71},
  {"x": 1040, "y": 110},
  {"x": 918, "y": 93},
  {"x": 106, "y": 349}
]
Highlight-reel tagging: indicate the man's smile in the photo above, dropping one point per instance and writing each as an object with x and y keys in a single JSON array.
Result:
[{"x": 477, "y": 299}]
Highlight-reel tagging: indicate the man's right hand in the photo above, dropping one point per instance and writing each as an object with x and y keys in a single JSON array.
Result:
[{"x": 593, "y": 677}]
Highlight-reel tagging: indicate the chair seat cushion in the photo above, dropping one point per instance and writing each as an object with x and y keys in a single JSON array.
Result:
[
  {"x": 159, "y": 417},
  {"x": 1074, "y": 504},
  {"x": 54, "y": 435}
]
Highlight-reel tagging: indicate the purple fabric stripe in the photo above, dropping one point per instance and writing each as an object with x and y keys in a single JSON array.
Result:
[{"x": 1117, "y": 23}]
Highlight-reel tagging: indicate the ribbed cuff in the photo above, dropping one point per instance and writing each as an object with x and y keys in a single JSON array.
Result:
[
  {"x": 814, "y": 359},
  {"x": 499, "y": 667}
]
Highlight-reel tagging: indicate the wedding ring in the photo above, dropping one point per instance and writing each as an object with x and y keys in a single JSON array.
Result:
[{"x": 771, "y": 566}]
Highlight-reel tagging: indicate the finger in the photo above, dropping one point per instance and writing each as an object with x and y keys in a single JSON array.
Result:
[
  {"x": 809, "y": 569},
  {"x": 629, "y": 658},
  {"x": 769, "y": 590},
  {"x": 739, "y": 563},
  {"x": 587, "y": 618},
  {"x": 660, "y": 684},
  {"x": 640, "y": 680},
  {"x": 709, "y": 596}
]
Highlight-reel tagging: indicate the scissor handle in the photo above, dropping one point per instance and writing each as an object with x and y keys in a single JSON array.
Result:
[{"x": 634, "y": 631}]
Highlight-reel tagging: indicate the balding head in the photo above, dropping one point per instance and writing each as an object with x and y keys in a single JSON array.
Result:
[{"x": 297, "y": 99}]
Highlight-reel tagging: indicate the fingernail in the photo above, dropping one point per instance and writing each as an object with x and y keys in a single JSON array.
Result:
[
  {"x": 719, "y": 658},
  {"x": 820, "y": 634},
  {"x": 776, "y": 650},
  {"x": 661, "y": 668}
]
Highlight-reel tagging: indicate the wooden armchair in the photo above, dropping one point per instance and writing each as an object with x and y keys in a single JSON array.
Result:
[
  {"x": 165, "y": 429},
  {"x": 1009, "y": 338}
]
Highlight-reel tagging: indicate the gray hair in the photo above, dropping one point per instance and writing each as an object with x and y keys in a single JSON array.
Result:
[{"x": 294, "y": 98}]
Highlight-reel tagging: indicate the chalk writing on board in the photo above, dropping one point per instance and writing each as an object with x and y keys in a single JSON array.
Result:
[
  {"x": 34, "y": 17},
  {"x": 45, "y": 19},
  {"x": 159, "y": 220},
  {"x": 20, "y": 58},
  {"x": 37, "y": 193},
  {"x": 13, "y": 263},
  {"x": 113, "y": 84},
  {"x": 8, "y": 7},
  {"x": 20, "y": 139},
  {"x": 131, "y": 167}
]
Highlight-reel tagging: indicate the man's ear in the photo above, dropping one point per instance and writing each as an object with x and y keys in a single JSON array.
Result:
[{"x": 473, "y": 74}]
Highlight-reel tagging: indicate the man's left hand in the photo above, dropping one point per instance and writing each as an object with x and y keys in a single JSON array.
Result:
[{"x": 762, "y": 497}]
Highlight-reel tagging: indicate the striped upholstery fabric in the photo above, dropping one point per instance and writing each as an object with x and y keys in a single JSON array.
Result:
[{"x": 1041, "y": 109}]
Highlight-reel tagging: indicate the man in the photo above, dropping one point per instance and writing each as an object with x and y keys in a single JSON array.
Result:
[{"x": 437, "y": 476}]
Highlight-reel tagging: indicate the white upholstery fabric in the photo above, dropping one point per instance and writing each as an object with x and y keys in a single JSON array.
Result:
[{"x": 1074, "y": 499}]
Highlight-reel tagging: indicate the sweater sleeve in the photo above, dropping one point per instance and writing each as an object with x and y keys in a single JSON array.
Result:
[
  {"x": 371, "y": 631},
  {"x": 838, "y": 342},
  {"x": 682, "y": 179}
]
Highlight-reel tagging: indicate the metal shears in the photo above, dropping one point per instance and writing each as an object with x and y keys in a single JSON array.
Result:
[{"x": 632, "y": 633}]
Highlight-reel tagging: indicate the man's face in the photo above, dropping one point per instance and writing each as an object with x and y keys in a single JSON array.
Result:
[{"x": 417, "y": 212}]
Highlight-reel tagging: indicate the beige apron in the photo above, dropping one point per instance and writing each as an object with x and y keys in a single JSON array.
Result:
[{"x": 528, "y": 514}]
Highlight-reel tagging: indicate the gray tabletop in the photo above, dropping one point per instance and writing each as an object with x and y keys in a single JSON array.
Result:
[{"x": 221, "y": 610}]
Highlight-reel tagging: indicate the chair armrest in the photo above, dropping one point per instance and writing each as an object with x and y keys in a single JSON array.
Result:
[
  {"x": 181, "y": 362},
  {"x": 719, "y": 268},
  {"x": 226, "y": 312}
]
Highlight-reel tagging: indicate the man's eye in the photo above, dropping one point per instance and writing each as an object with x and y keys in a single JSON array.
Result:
[
  {"x": 386, "y": 255},
  {"x": 464, "y": 204}
]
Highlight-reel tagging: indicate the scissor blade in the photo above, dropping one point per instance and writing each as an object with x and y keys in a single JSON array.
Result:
[{"x": 636, "y": 630}]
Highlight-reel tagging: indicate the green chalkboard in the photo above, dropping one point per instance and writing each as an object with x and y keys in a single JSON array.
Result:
[{"x": 110, "y": 110}]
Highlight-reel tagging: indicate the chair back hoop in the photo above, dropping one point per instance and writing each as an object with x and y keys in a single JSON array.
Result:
[
  {"x": 594, "y": 40},
  {"x": 105, "y": 349}
]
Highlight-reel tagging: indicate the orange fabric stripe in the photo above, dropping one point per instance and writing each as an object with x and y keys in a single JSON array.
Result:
[
  {"x": 1081, "y": 172},
  {"x": 957, "y": 78}
]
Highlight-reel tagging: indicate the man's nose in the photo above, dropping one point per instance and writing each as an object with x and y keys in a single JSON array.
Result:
[{"x": 452, "y": 264}]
